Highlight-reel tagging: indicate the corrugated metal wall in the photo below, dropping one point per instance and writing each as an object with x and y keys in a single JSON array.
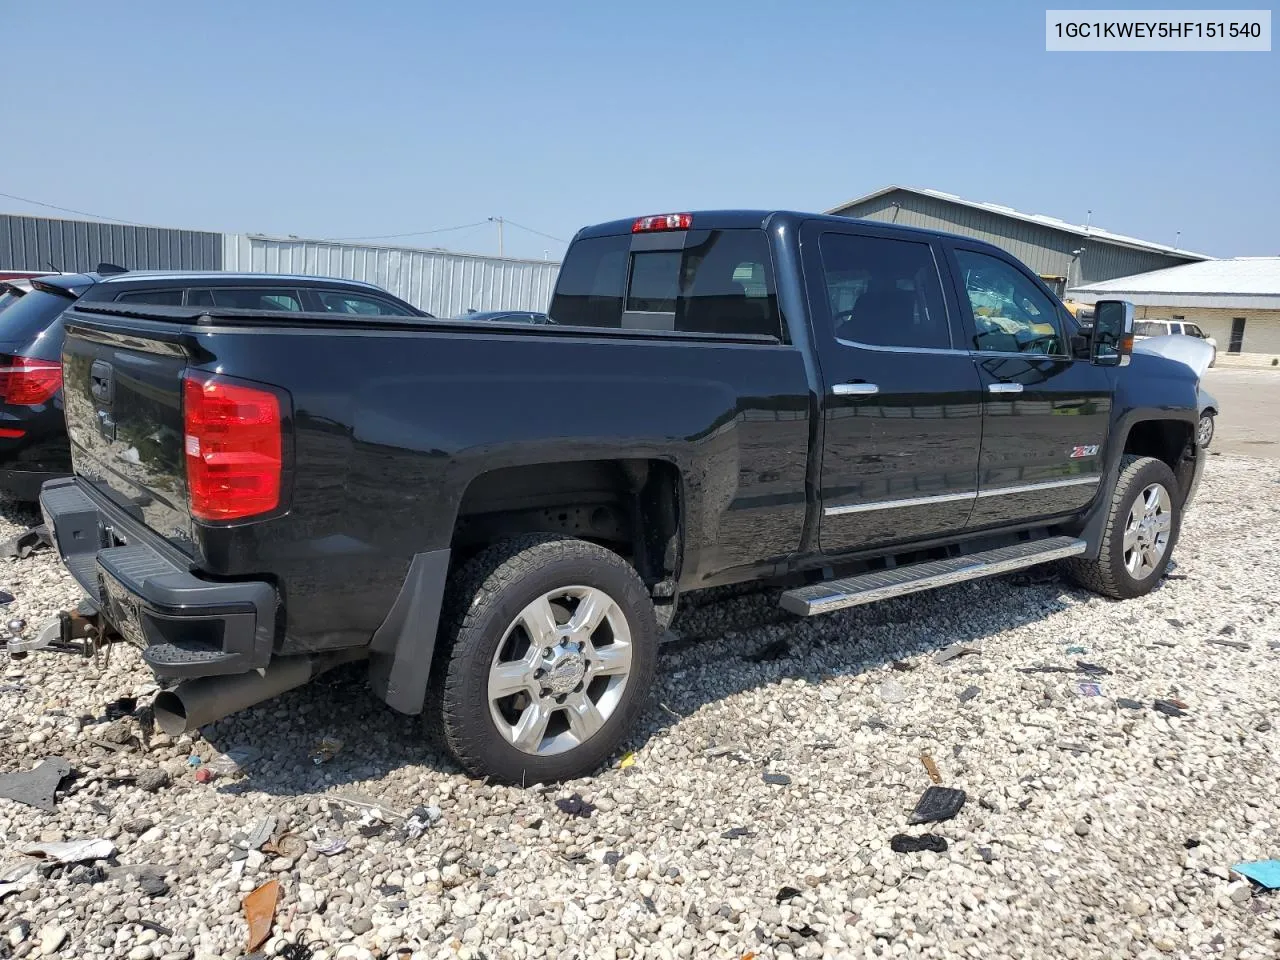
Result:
[
  {"x": 443, "y": 284},
  {"x": 1043, "y": 249},
  {"x": 74, "y": 246}
]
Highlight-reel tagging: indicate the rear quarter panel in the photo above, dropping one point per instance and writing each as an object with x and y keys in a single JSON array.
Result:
[{"x": 391, "y": 427}]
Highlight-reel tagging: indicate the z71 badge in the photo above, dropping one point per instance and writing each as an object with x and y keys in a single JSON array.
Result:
[{"x": 1089, "y": 450}]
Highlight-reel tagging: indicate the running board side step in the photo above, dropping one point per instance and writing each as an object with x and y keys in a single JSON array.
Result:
[{"x": 832, "y": 595}]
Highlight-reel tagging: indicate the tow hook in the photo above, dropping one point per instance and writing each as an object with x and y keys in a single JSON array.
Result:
[{"x": 79, "y": 630}]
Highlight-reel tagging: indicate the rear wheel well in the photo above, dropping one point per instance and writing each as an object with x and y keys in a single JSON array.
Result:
[
  {"x": 631, "y": 506},
  {"x": 1167, "y": 440}
]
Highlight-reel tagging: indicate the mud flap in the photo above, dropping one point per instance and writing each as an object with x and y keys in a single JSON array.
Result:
[{"x": 402, "y": 648}]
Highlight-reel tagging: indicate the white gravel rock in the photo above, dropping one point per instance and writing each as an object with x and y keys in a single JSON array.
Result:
[{"x": 1095, "y": 827}]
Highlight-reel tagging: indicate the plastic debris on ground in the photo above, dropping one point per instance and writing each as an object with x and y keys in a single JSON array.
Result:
[
  {"x": 260, "y": 912},
  {"x": 153, "y": 886},
  {"x": 326, "y": 750},
  {"x": 931, "y": 768},
  {"x": 1092, "y": 669},
  {"x": 947, "y": 654},
  {"x": 121, "y": 707},
  {"x": 71, "y": 851},
  {"x": 938, "y": 803},
  {"x": 1170, "y": 708},
  {"x": 968, "y": 693},
  {"x": 1265, "y": 873},
  {"x": 38, "y": 786},
  {"x": 420, "y": 819},
  {"x": 629, "y": 760},
  {"x": 204, "y": 775},
  {"x": 331, "y": 847},
  {"x": 1077, "y": 649},
  {"x": 1128, "y": 704},
  {"x": 288, "y": 845},
  {"x": 371, "y": 824},
  {"x": 736, "y": 833},
  {"x": 575, "y": 806},
  {"x": 18, "y": 877},
  {"x": 233, "y": 761},
  {"x": 776, "y": 779},
  {"x": 1089, "y": 688},
  {"x": 193, "y": 761},
  {"x": 905, "y": 843},
  {"x": 260, "y": 833},
  {"x": 786, "y": 893}
]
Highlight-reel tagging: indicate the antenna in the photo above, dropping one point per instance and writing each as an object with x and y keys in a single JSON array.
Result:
[
  {"x": 1088, "y": 220},
  {"x": 1177, "y": 237}
]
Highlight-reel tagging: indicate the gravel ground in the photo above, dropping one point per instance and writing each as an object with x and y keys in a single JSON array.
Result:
[{"x": 777, "y": 760}]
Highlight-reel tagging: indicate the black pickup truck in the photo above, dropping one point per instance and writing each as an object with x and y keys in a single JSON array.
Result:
[{"x": 499, "y": 517}]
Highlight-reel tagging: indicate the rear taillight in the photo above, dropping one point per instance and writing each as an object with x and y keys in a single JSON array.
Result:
[
  {"x": 663, "y": 221},
  {"x": 26, "y": 382},
  {"x": 234, "y": 447}
]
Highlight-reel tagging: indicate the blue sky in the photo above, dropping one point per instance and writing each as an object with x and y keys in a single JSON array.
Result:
[{"x": 348, "y": 120}]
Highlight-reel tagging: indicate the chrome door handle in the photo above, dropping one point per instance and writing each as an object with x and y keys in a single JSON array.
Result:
[
  {"x": 1004, "y": 388},
  {"x": 855, "y": 389}
]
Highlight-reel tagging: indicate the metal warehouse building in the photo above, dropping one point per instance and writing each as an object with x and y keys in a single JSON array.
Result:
[
  {"x": 1064, "y": 254},
  {"x": 1237, "y": 301},
  {"x": 442, "y": 283}
]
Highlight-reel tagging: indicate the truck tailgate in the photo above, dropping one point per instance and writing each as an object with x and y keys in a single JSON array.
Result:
[{"x": 123, "y": 398}]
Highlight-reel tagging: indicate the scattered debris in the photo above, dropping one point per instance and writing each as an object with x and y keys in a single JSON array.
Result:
[
  {"x": 1191, "y": 843},
  {"x": 947, "y": 654},
  {"x": 153, "y": 886},
  {"x": 25, "y": 543},
  {"x": 420, "y": 818},
  {"x": 233, "y": 761},
  {"x": 18, "y": 877},
  {"x": 12, "y": 688},
  {"x": 736, "y": 833},
  {"x": 1169, "y": 708},
  {"x": 157, "y": 927},
  {"x": 776, "y": 779},
  {"x": 938, "y": 803},
  {"x": 1043, "y": 668},
  {"x": 1088, "y": 688},
  {"x": 260, "y": 912},
  {"x": 1092, "y": 669},
  {"x": 776, "y": 650},
  {"x": 786, "y": 893},
  {"x": 36, "y": 787},
  {"x": 931, "y": 768},
  {"x": 1128, "y": 704},
  {"x": 968, "y": 693},
  {"x": 372, "y": 828},
  {"x": 628, "y": 760},
  {"x": 1077, "y": 649},
  {"x": 1235, "y": 644},
  {"x": 152, "y": 780},
  {"x": 326, "y": 750},
  {"x": 194, "y": 760},
  {"x": 575, "y": 806},
  {"x": 288, "y": 845},
  {"x": 905, "y": 843},
  {"x": 331, "y": 847},
  {"x": 986, "y": 853},
  {"x": 902, "y": 666},
  {"x": 1265, "y": 873},
  {"x": 121, "y": 707},
  {"x": 1227, "y": 631},
  {"x": 260, "y": 833},
  {"x": 205, "y": 775},
  {"x": 71, "y": 851}
]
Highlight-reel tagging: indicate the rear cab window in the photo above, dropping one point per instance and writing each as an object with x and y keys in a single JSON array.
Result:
[{"x": 695, "y": 281}]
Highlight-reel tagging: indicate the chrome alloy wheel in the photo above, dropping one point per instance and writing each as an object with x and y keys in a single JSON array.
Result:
[
  {"x": 1146, "y": 534},
  {"x": 1204, "y": 431},
  {"x": 559, "y": 671}
]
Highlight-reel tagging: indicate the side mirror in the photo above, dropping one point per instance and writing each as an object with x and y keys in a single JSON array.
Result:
[{"x": 1112, "y": 333}]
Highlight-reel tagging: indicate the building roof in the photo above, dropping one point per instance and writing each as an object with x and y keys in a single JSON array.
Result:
[
  {"x": 1081, "y": 230},
  {"x": 1238, "y": 282}
]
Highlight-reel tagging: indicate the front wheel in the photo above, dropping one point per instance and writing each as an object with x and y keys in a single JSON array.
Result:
[
  {"x": 1141, "y": 530},
  {"x": 1204, "y": 430},
  {"x": 552, "y": 649}
]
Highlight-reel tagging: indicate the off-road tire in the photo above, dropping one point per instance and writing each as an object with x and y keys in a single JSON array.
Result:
[
  {"x": 1107, "y": 574},
  {"x": 484, "y": 596}
]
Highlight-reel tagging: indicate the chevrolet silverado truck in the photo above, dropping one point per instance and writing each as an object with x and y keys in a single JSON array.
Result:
[{"x": 499, "y": 517}]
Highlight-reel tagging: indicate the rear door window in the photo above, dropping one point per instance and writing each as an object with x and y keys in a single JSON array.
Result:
[
  {"x": 256, "y": 298},
  {"x": 163, "y": 298},
  {"x": 720, "y": 281},
  {"x": 358, "y": 305},
  {"x": 884, "y": 292}
]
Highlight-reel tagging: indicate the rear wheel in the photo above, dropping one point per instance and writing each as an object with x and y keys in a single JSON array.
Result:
[
  {"x": 553, "y": 649},
  {"x": 1140, "y": 533}
]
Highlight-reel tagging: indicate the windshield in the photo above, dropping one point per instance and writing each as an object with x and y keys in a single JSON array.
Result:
[{"x": 26, "y": 317}]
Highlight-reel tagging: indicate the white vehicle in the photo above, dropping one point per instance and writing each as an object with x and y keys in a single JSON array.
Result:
[{"x": 1144, "y": 329}]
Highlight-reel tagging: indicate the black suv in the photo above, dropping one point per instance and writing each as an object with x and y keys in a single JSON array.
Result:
[{"x": 33, "y": 435}]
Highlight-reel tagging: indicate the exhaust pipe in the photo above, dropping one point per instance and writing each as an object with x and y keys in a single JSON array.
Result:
[{"x": 193, "y": 703}]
